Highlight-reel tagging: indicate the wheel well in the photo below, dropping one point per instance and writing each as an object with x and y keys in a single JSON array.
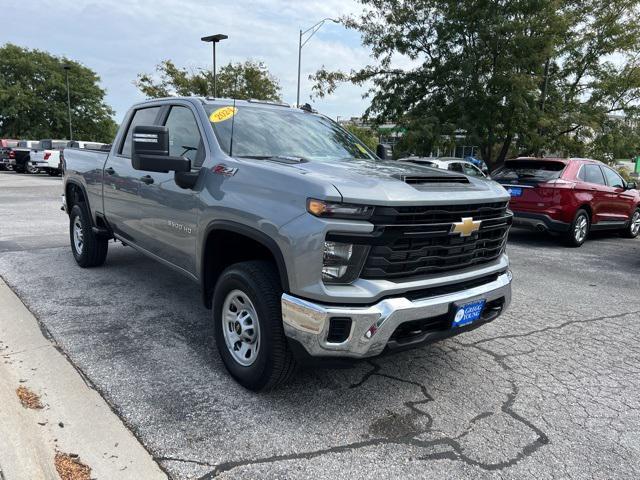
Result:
[
  {"x": 226, "y": 247},
  {"x": 587, "y": 208},
  {"x": 73, "y": 195}
]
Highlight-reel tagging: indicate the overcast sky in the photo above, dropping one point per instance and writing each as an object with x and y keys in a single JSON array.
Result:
[{"x": 119, "y": 39}]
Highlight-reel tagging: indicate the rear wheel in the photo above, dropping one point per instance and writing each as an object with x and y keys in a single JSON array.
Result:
[
  {"x": 53, "y": 173},
  {"x": 248, "y": 326},
  {"x": 89, "y": 249},
  {"x": 33, "y": 170},
  {"x": 578, "y": 230},
  {"x": 633, "y": 229}
]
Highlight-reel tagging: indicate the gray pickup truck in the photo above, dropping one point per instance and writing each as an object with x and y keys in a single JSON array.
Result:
[{"x": 307, "y": 246}]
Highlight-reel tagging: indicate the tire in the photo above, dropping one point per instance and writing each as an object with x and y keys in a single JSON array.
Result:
[
  {"x": 578, "y": 230},
  {"x": 256, "y": 352},
  {"x": 53, "y": 173},
  {"x": 633, "y": 229},
  {"x": 88, "y": 249},
  {"x": 32, "y": 170}
]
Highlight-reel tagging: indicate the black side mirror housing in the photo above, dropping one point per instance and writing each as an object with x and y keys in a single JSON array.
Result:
[
  {"x": 384, "y": 151},
  {"x": 150, "y": 151},
  {"x": 631, "y": 186}
]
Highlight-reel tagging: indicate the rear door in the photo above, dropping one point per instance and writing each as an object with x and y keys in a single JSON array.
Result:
[
  {"x": 121, "y": 182},
  {"x": 169, "y": 213},
  {"x": 591, "y": 181},
  {"x": 619, "y": 201}
]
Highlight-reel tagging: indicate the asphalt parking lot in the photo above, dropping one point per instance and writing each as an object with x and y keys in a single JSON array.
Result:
[{"x": 549, "y": 390}]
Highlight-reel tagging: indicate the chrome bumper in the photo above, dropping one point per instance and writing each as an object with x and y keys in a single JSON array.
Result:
[{"x": 372, "y": 326}]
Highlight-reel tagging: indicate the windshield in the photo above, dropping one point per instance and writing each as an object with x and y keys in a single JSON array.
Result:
[
  {"x": 529, "y": 170},
  {"x": 282, "y": 132}
]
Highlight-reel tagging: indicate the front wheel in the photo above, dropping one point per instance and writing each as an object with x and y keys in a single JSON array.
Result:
[
  {"x": 248, "y": 326},
  {"x": 89, "y": 249},
  {"x": 32, "y": 170},
  {"x": 633, "y": 229},
  {"x": 578, "y": 230}
]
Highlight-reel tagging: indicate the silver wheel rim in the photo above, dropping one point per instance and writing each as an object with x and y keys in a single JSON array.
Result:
[
  {"x": 635, "y": 223},
  {"x": 78, "y": 235},
  {"x": 241, "y": 328},
  {"x": 580, "y": 230}
]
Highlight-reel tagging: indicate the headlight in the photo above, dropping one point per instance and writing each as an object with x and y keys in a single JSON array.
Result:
[
  {"x": 320, "y": 208},
  {"x": 342, "y": 262}
]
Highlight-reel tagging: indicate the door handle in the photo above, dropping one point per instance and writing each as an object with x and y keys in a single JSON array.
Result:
[
  {"x": 148, "y": 179},
  {"x": 109, "y": 171}
]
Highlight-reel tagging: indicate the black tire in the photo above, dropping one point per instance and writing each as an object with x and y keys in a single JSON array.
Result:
[
  {"x": 632, "y": 230},
  {"x": 53, "y": 173},
  {"x": 577, "y": 235},
  {"x": 274, "y": 363},
  {"x": 93, "y": 249}
]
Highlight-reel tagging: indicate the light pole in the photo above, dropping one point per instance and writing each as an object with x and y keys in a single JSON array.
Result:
[
  {"x": 67, "y": 67},
  {"x": 214, "y": 39},
  {"x": 301, "y": 44}
]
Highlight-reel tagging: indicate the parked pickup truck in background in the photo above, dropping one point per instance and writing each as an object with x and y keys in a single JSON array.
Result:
[
  {"x": 47, "y": 157},
  {"x": 306, "y": 245},
  {"x": 22, "y": 156},
  {"x": 6, "y": 152}
]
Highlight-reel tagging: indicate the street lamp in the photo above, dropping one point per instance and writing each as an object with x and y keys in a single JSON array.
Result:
[
  {"x": 67, "y": 67},
  {"x": 301, "y": 44},
  {"x": 214, "y": 39}
]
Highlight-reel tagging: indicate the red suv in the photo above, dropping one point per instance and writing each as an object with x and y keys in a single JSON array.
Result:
[{"x": 570, "y": 197}]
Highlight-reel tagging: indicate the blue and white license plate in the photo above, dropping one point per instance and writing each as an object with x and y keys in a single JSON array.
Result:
[
  {"x": 468, "y": 313},
  {"x": 515, "y": 191}
]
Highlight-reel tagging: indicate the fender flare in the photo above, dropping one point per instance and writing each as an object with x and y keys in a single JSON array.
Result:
[{"x": 249, "y": 232}]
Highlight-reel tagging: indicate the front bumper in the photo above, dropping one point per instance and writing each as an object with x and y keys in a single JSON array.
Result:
[{"x": 373, "y": 327}]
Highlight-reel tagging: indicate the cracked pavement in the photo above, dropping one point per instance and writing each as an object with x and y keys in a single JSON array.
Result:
[{"x": 549, "y": 390}]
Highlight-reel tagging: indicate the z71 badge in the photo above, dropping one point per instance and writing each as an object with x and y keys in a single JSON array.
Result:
[{"x": 222, "y": 169}]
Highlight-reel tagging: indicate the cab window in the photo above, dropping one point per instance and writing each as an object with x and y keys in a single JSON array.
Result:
[
  {"x": 613, "y": 179},
  {"x": 593, "y": 174},
  {"x": 184, "y": 135},
  {"x": 471, "y": 171},
  {"x": 143, "y": 116},
  {"x": 455, "y": 167}
]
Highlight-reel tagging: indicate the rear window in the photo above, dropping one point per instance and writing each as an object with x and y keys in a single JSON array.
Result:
[
  {"x": 46, "y": 144},
  {"x": 529, "y": 170}
]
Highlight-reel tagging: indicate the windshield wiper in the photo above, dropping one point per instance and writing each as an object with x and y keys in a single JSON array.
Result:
[{"x": 287, "y": 158}]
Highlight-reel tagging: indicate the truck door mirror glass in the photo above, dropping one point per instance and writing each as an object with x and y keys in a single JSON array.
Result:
[
  {"x": 632, "y": 186},
  {"x": 150, "y": 151},
  {"x": 384, "y": 151}
]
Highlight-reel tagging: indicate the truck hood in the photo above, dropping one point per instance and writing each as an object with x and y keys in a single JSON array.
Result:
[{"x": 385, "y": 182}]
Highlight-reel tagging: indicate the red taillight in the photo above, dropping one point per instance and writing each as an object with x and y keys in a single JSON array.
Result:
[
  {"x": 558, "y": 183},
  {"x": 12, "y": 154},
  {"x": 47, "y": 155}
]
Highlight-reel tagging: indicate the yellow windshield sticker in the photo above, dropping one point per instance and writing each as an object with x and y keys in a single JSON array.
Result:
[
  {"x": 361, "y": 148},
  {"x": 222, "y": 114}
]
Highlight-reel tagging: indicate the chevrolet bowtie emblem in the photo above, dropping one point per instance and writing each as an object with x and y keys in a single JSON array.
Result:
[{"x": 466, "y": 227}]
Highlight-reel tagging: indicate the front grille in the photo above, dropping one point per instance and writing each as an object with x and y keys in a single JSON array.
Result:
[{"x": 412, "y": 241}]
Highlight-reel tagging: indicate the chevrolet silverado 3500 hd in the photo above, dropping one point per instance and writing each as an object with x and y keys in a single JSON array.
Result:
[{"x": 305, "y": 243}]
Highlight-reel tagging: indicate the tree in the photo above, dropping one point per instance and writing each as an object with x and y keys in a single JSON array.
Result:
[
  {"x": 235, "y": 80},
  {"x": 366, "y": 135},
  {"x": 33, "y": 98},
  {"x": 527, "y": 76}
]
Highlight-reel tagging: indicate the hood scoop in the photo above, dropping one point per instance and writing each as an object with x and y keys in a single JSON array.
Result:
[{"x": 437, "y": 179}]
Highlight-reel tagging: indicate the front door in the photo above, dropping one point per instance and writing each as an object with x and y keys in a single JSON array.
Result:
[
  {"x": 121, "y": 182},
  {"x": 169, "y": 213},
  {"x": 621, "y": 202}
]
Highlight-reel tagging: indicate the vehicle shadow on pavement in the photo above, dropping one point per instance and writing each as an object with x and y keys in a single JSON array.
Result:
[{"x": 139, "y": 333}]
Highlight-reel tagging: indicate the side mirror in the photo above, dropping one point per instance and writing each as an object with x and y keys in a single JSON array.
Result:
[
  {"x": 631, "y": 186},
  {"x": 384, "y": 151},
  {"x": 150, "y": 151}
]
